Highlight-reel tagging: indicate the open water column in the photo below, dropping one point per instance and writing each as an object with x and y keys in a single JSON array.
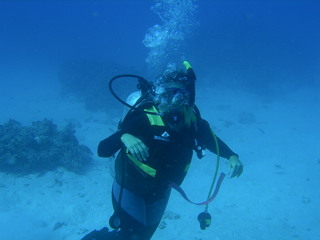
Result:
[{"x": 166, "y": 41}]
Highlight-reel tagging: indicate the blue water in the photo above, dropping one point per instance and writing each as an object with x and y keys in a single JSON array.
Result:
[
  {"x": 253, "y": 41},
  {"x": 267, "y": 51}
]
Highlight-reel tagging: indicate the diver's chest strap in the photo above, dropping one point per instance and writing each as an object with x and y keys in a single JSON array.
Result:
[{"x": 144, "y": 167}]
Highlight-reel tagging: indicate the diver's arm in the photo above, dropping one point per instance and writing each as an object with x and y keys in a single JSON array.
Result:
[
  {"x": 109, "y": 146},
  {"x": 135, "y": 146},
  {"x": 134, "y": 136},
  {"x": 206, "y": 138},
  {"x": 130, "y": 136}
]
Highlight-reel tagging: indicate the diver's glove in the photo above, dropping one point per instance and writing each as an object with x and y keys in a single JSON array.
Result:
[
  {"x": 235, "y": 166},
  {"x": 135, "y": 146}
]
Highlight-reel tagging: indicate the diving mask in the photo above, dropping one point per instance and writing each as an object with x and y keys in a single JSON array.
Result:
[
  {"x": 175, "y": 107},
  {"x": 175, "y": 96}
]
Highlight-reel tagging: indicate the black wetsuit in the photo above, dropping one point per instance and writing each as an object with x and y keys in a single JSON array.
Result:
[{"x": 144, "y": 197}]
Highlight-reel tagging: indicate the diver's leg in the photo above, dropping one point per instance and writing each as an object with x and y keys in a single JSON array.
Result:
[
  {"x": 131, "y": 212},
  {"x": 103, "y": 234},
  {"x": 155, "y": 208},
  {"x": 131, "y": 229},
  {"x": 139, "y": 217}
]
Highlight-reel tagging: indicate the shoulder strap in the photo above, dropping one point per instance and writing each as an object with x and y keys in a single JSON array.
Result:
[
  {"x": 154, "y": 119},
  {"x": 139, "y": 106}
]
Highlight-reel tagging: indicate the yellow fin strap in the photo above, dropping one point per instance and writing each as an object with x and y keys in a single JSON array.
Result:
[
  {"x": 155, "y": 120},
  {"x": 147, "y": 169}
]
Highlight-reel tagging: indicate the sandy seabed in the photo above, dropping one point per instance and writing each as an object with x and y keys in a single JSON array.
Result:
[{"x": 277, "y": 197}]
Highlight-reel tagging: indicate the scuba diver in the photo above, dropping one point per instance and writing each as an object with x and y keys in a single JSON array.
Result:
[{"x": 156, "y": 140}]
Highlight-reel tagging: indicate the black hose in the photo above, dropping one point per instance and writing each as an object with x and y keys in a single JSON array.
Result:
[
  {"x": 122, "y": 76},
  {"x": 145, "y": 86}
]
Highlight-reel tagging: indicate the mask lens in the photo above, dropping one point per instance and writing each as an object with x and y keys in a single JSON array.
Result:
[{"x": 177, "y": 96}]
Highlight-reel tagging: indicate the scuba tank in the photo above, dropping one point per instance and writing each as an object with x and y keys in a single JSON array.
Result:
[
  {"x": 145, "y": 93},
  {"x": 131, "y": 100}
]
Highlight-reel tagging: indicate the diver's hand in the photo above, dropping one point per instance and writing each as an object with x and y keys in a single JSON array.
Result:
[
  {"x": 235, "y": 166},
  {"x": 135, "y": 146}
]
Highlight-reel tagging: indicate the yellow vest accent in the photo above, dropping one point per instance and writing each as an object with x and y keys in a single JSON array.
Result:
[
  {"x": 187, "y": 168},
  {"x": 145, "y": 168},
  {"x": 155, "y": 120},
  {"x": 189, "y": 115}
]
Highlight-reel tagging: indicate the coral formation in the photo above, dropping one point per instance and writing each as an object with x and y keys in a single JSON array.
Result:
[{"x": 40, "y": 147}]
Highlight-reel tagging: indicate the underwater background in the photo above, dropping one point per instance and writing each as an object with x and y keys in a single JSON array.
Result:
[{"x": 258, "y": 82}]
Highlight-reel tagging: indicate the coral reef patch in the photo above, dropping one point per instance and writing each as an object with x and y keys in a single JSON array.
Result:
[{"x": 41, "y": 147}]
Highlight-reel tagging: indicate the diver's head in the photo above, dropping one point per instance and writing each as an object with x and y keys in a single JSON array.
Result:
[
  {"x": 173, "y": 82},
  {"x": 175, "y": 98}
]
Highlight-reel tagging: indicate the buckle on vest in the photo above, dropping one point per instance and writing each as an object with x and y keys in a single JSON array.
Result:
[{"x": 164, "y": 137}]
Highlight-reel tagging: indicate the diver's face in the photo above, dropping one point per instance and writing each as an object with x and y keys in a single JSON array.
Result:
[
  {"x": 173, "y": 95},
  {"x": 176, "y": 96},
  {"x": 173, "y": 103}
]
